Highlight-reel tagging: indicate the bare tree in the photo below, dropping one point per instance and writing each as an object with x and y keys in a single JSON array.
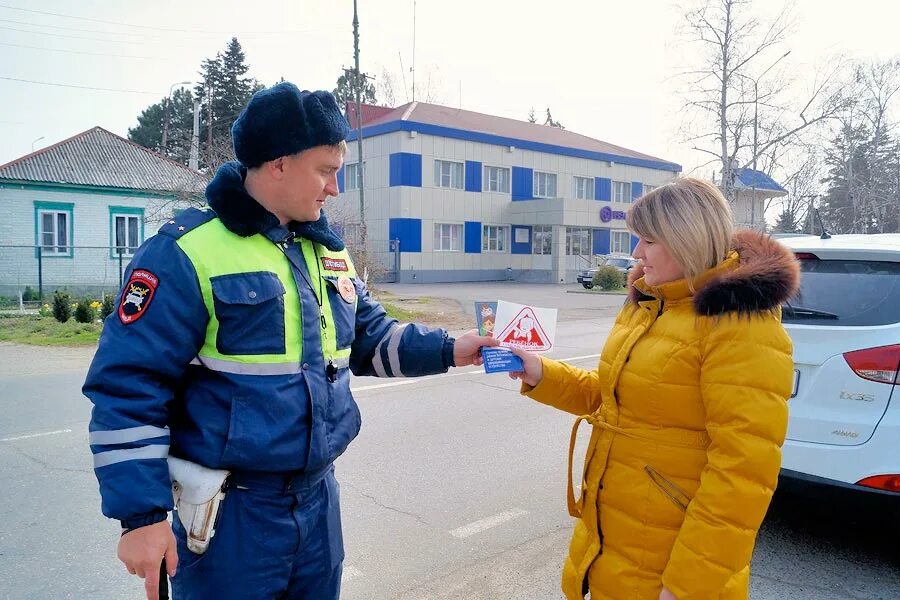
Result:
[
  {"x": 385, "y": 86},
  {"x": 731, "y": 113}
]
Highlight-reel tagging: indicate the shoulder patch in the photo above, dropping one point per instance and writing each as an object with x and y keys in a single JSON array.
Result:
[
  {"x": 137, "y": 295},
  {"x": 187, "y": 220}
]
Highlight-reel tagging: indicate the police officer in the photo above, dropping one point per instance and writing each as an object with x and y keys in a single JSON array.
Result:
[{"x": 231, "y": 347}]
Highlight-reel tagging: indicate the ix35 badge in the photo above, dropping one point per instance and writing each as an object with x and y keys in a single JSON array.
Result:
[{"x": 137, "y": 295}]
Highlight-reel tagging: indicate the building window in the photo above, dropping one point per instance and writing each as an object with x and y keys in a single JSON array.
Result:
[
  {"x": 621, "y": 191},
  {"x": 578, "y": 241},
  {"x": 584, "y": 188},
  {"x": 54, "y": 231},
  {"x": 448, "y": 237},
  {"x": 353, "y": 176},
  {"x": 648, "y": 188},
  {"x": 496, "y": 179},
  {"x": 493, "y": 238},
  {"x": 619, "y": 242},
  {"x": 448, "y": 174},
  {"x": 127, "y": 232},
  {"x": 544, "y": 185},
  {"x": 543, "y": 239}
]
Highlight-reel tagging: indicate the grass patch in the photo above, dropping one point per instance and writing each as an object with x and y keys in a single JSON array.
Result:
[
  {"x": 47, "y": 331},
  {"x": 404, "y": 315}
]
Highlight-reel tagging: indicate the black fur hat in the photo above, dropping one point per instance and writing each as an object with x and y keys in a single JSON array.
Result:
[{"x": 282, "y": 120}]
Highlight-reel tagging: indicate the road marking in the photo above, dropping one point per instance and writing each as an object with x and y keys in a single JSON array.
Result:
[
  {"x": 488, "y": 523},
  {"x": 350, "y": 572},
  {"x": 478, "y": 371},
  {"x": 34, "y": 435}
]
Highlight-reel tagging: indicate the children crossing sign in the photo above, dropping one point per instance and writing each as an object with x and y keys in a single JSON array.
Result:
[{"x": 526, "y": 327}]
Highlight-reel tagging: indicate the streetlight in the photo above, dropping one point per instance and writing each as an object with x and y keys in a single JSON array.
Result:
[
  {"x": 165, "y": 133},
  {"x": 755, "y": 127},
  {"x": 35, "y": 142}
]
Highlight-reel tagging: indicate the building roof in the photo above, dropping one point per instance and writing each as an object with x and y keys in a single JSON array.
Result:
[
  {"x": 369, "y": 113},
  {"x": 750, "y": 179},
  {"x": 464, "y": 124},
  {"x": 99, "y": 158}
]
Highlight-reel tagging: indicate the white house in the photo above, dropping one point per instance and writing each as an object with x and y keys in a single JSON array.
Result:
[
  {"x": 475, "y": 197},
  {"x": 752, "y": 189},
  {"x": 74, "y": 213}
]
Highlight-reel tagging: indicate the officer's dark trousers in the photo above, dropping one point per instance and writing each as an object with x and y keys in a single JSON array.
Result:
[{"x": 279, "y": 538}]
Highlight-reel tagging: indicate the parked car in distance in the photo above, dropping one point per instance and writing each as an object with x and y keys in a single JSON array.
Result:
[
  {"x": 622, "y": 262},
  {"x": 844, "y": 425}
]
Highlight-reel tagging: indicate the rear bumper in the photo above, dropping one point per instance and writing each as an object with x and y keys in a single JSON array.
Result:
[
  {"x": 787, "y": 473},
  {"x": 845, "y": 465}
]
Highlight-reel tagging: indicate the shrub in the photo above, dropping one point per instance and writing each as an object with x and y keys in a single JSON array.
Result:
[
  {"x": 30, "y": 294},
  {"x": 84, "y": 313},
  {"x": 609, "y": 278},
  {"x": 62, "y": 306},
  {"x": 106, "y": 308}
]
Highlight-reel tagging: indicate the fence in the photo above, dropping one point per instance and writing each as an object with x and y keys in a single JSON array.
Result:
[{"x": 33, "y": 273}]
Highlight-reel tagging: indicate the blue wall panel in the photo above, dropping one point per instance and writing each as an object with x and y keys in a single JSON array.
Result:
[
  {"x": 522, "y": 183},
  {"x": 406, "y": 169},
  {"x": 601, "y": 241},
  {"x": 340, "y": 179},
  {"x": 634, "y": 242},
  {"x": 473, "y": 236},
  {"x": 602, "y": 189},
  {"x": 473, "y": 176},
  {"x": 408, "y": 231},
  {"x": 520, "y": 247},
  {"x": 637, "y": 190}
]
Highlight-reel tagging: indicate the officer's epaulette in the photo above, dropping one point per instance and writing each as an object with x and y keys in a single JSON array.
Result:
[{"x": 187, "y": 220}]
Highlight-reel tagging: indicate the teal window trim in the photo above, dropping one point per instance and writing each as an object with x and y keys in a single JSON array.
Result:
[
  {"x": 124, "y": 211},
  {"x": 57, "y": 207}
]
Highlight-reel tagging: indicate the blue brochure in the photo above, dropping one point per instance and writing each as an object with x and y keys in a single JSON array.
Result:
[{"x": 499, "y": 360}]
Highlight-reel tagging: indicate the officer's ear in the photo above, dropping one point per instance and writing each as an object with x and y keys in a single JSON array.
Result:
[{"x": 276, "y": 168}]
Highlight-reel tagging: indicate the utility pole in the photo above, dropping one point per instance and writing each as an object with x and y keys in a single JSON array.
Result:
[
  {"x": 360, "y": 171},
  {"x": 755, "y": 139},
  {"x": 194, "y": 160}
]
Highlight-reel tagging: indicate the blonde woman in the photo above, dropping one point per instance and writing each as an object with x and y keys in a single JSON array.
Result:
[{"x": 688, "y": 407}]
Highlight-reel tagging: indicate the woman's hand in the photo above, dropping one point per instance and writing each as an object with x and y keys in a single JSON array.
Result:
[
  {"x": 666, "y": 595},
  {"x": 534, "y": 368}
]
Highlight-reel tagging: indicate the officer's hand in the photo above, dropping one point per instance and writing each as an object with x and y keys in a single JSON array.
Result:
[
  {"x": 467, "y": 348},
  {"x": 142, "y": 551},
  {"x": 534, "y": 368}
]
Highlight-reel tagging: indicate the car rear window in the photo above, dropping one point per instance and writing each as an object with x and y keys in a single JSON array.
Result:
[
  {"x": 618, "y": 262},
  {"x": 846, "y": 293}
]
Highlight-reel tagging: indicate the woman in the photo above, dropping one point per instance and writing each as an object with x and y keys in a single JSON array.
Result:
[{"x": 688, "y": 407}]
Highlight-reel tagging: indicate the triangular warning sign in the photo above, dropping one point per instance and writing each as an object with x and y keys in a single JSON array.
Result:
[{"x": 526, "y": 332}]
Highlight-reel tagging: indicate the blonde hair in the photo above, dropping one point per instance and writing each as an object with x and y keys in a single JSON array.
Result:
[{"x": 690, "y": 217}]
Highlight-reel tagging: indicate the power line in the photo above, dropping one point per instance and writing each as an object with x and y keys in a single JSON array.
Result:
[
  {"x": 53, "y": 14},
  {"x": 80, "y": 87},
  {"x": 73, "y": 37},
  {"x": 88, "y": 53}
]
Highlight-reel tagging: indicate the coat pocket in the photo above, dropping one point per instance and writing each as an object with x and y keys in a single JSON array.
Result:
[
  {"x": 343, "y": 312},
  {"x": 250, "y": 310},
  {"x": 675, "y": 494}
]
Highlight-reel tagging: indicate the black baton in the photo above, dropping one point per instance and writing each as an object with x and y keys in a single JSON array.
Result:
[{"x": 163, "y": 581}]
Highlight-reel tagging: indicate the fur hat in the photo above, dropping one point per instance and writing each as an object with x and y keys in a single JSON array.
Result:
[{"x": 282, "y": 120}]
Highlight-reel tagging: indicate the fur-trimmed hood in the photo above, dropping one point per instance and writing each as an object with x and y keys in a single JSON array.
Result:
[
  {"x": 761, "y": 276},
  {"x": 243, "y": 215}
]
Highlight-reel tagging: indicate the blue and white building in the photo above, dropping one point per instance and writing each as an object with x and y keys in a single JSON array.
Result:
[{"x": 474, "y": 197}]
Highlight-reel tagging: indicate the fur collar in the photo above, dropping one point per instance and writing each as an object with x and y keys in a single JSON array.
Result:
[
  {"x": 243, "y": 215},
  {"x": 766, "y": 274}
]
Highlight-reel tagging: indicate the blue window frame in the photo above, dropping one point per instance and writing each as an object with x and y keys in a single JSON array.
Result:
[
  {"x": 126, "y": 230},
  {"x": 53, "y": 229}
]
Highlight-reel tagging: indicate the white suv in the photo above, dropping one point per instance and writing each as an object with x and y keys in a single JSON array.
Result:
[{"x": 844, "y": 426}]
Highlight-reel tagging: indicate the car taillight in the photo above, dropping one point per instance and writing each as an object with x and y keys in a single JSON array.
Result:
[
  {"x": 890, "y": 483},
  {"x": 875, "y": 364}
]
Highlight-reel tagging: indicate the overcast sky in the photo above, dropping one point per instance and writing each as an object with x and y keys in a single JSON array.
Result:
[{"x": 604, "y": 68}]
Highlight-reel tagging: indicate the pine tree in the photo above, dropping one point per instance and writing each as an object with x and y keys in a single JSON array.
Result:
[
  {"x": 786, "y": 223},
  {"x": 345, "y": 89},
  {"x": 531, "y": 117}
]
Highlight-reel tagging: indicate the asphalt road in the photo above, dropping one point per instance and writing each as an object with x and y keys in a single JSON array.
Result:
[{"x": 455, "y": 489}]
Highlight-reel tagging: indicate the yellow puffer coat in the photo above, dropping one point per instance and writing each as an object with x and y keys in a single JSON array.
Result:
[{"x": 688, "y": 412}]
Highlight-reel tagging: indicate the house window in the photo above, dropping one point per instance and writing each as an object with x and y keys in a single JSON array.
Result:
[
  {"x": 496, "y": 179},
  {"x": 620, "y": 242},
  {"x": 448, "y": 237},
  {"x": 126, "y": 229},
  {"x": 543, "y": 239},
  {"x": 648, "y": 188},
  {"x": 353, "y": 176},
  {"x": 448, "y": 174},
  {"x": 621, "y": 191},
  {"x": 54, "y": 229},
  {"x": 584, "y": 188},
  {"x": 578, "y": 241},
  {"x": 493, "y": 238},
  {"x": 544, "y": 185}
]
